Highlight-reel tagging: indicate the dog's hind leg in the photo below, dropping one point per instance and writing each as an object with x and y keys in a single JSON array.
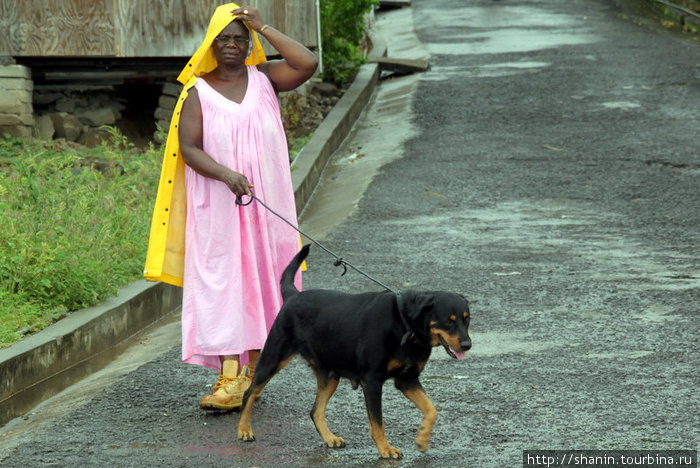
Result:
[
  {"x": 325, "y": 390},
  {"x": 413, "y": 390},
  {"x": 245, "y": 430},
  {"x": 275, "y": 355},
  {"x": 373, "y": 401}
]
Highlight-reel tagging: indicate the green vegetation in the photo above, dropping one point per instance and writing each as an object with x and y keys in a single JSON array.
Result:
[
  {"x": 297, "y": 144},
  {"x": 74, "y": 227},
  {"x": 342, "y": 36}
]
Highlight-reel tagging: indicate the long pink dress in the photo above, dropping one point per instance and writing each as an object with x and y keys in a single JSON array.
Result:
[{"x": 235, "y": 256}]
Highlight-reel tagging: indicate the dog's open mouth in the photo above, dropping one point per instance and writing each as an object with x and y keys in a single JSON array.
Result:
[{"x": 459, "y": 355}]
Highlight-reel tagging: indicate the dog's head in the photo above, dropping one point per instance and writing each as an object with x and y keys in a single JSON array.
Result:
[{"x": 445, "y": 319}]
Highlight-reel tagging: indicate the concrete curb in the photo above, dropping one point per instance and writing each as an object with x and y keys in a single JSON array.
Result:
[
  {"x": 46, "y": 363},
  {"x": 675, "y": 13},
  {"x": 43, "y": 364}
]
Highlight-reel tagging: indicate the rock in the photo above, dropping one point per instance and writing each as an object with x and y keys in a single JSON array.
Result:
[
  {"x": 65, "y": 104},
  {"x": 325, "y": 89},
  {"x": 163, "y": 114},
  {"x": 67, "y": 126},
  {"x": 94, "y": 137},
  {"x": 42, "y": 99},
  {"x": 172, "y": 89},
  {"x": 44, "y": 128},
  {"x": 19, "y": 131},
  {"x": 167, "y": 102},
  {"x": 97, "y": 117}
]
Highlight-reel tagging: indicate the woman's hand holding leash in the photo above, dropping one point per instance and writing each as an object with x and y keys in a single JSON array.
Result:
[{"x": 237, "y": 182}]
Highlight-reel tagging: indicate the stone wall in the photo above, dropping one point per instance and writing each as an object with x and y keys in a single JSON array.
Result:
[
  {"x": 16, "y": 115},
  {"x": 83, "y": 113},
  {"x": 164, "y": 112},
  {"x": 76, "y": 114}
]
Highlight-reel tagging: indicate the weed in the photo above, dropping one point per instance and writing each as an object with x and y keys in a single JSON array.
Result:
[{"x": 74, "y": 228}]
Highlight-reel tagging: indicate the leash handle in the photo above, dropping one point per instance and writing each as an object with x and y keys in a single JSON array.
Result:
[{"x": 239, "y": 200}]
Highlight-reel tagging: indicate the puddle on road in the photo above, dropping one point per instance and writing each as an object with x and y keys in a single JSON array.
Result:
[
  {"x": 621, "y": 355},
  {"x": 519, "y": 238},
  {"x": 502, "y": 15},
  {"x": 508, "y": 41},
  {"x": 501, "y": 29},
  {"x": 621, "y": 105}
]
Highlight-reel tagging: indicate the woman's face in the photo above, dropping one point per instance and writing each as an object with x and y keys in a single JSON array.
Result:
[{"x": 231, "y": 45}]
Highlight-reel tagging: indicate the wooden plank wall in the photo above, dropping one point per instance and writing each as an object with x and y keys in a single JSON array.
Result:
[{"x": 132, "y": 28}]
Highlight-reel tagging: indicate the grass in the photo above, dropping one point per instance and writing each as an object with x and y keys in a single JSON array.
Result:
[
  {"x": 296, "y": 145},
  {"x": 74, "y": 227}
]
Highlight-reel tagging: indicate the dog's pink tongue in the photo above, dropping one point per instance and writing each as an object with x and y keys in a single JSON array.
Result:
[{"x": 459, "y": 354}]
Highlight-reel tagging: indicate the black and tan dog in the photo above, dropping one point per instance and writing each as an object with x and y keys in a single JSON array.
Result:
[{"x": 367, "y": 338}]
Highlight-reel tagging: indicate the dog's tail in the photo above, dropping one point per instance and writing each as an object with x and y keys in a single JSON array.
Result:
[{"x": 287, "y": 282}]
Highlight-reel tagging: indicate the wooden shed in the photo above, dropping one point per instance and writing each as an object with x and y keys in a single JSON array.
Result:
[
  {"x": 132, "y": 28},
  {"x": 71, "y": 52}
]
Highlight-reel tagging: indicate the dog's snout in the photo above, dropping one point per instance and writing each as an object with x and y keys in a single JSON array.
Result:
[{"x": 465, "y": 345}]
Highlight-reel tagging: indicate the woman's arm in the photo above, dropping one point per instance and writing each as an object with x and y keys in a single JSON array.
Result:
[
  {"x": 190, "y": 133},
  {"x": 298, "y": 63}
]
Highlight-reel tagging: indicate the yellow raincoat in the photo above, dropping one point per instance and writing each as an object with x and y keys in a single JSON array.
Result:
[{"x": 166, "y": 248}]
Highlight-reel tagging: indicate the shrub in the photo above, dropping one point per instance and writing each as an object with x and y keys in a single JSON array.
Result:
[
  {"x": 342, "y": 33},
  {"x": 74, "y": 228}
]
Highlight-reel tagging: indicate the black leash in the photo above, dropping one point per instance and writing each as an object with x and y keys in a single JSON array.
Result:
[{"x": 338, "y": 262}]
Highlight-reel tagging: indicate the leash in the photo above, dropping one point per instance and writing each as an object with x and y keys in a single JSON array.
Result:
[{"x": 339, "y": 261}]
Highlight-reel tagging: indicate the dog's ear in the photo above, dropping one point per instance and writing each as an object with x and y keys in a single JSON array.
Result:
[{"x": 421, "y": 303}]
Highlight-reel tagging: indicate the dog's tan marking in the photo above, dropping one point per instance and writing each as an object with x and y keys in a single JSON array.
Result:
[
  {"x": 395, "y": 364},
  {"x": 434, "y": 340},
  {"x": 421, "y": 400},
  {"x": 451, "y": 340},
  {"x": 318, "y": 413},
  {"x": 379, "y": 438},
  {"x": 245, "y": 430},
  {"x": 453, "y": 318}
]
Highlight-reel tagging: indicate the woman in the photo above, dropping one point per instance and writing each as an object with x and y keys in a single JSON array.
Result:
[{"x": 230, "y": 137}]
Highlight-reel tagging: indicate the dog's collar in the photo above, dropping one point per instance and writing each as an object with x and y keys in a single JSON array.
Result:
[{"x": 409, "y": 332}]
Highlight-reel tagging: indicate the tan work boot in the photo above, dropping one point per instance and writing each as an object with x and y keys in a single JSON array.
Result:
[{"x": 227, "y": 393}]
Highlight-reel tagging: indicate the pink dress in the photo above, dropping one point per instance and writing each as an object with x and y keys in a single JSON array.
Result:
[{"x": 234, "y": 256}]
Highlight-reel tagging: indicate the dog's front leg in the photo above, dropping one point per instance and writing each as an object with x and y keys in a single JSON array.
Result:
[
  {"x": 373, "y": 400},
  {"x": 413, "y": 390}
]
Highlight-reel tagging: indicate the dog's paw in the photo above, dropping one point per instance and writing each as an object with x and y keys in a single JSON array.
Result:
[
  {"x": 335, "y": 442},
  {"x": 246, "y": 435},
  {"x": 423, "y": 440},
  {"x": 391, "y": 452}
]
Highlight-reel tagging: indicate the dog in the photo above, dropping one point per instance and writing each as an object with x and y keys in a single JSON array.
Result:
[{"x": 367, "y": 338}]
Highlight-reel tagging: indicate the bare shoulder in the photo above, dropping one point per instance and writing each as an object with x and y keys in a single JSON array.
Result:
[{"x": 191, "y": 99}]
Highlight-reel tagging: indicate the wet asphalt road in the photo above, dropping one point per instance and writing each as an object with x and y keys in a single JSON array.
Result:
[{"x": 549, "y": 170}]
